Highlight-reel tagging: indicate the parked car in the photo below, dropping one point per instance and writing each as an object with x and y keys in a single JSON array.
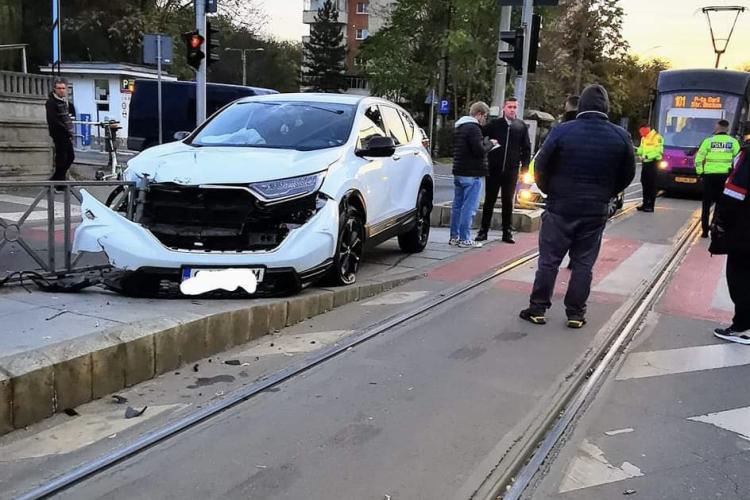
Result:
[
  {"x": 529, "y": 196},
  {"x": 178, "y": 108},
  {"x": 294, "y": 187}
]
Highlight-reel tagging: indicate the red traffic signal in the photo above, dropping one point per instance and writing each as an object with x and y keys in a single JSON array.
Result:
[{"x": 194, "y": 45}]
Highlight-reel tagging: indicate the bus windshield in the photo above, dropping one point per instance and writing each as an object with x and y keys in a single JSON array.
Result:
[{"x": 686, "y": 118}]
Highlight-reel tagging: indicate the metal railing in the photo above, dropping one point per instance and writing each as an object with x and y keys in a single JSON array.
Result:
[
  {"x": 25, "y": 84},
  {"x": 12, "y": 230}
]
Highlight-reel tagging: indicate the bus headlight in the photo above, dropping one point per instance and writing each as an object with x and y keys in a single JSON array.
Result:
[
  {"x": 528, "y": 178},
  {"x": 525, "y": 195},
  {"x": 663, "y": 165}
]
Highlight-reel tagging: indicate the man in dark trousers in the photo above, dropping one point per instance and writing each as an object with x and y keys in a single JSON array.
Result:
[
  {"x": 513, "y": 150},
  {"x": 582, "y": 164},
  {"x": 730, "y": 235},
  {"x": 60, "y": 127},
  {"x": 713, "y": 162}
]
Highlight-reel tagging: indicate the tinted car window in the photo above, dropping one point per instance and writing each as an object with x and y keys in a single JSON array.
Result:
[
  {"x": 394, "y": 125},
  {"x": 409, "y": 124},
  {"x": 374, "y": 115},
  {"x": 303, "y": 126},
  {"x": 367, "y": 130}
]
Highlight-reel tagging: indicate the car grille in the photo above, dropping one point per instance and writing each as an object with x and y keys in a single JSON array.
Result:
[{"x": 220, "y": 219}]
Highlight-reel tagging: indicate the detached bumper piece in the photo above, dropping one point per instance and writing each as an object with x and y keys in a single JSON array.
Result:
[{"x": 220, "y": 218}]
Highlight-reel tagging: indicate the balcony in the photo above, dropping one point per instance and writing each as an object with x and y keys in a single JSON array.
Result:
[{"x": 310, "y": 10}]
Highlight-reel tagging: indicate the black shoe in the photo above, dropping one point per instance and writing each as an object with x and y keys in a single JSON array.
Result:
[
  {"x": 533, "y": 317},
  {"x": 576, "y": 322},
  {"x": 733, "y": 335},
  {"x": 508, "y": 237},
  {"x": 481, "y": 235}
]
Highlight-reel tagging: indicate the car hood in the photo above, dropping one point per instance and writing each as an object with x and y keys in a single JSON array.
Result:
[{"x": 183, "y": 164}]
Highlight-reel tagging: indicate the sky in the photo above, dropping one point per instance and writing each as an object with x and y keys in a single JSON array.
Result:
[{"x": 675, "y": 30}]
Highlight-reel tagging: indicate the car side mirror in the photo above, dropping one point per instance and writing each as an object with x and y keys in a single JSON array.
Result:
[
  {"x": 378, "y": 147},
  {"x": 178, "y": 136}
]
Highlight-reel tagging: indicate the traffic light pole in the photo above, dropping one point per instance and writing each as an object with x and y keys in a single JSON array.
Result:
[
  {"x": 501, "y": 69},
  {"x": 522, "y": 80},
  {"x": 200, "y": 75}
]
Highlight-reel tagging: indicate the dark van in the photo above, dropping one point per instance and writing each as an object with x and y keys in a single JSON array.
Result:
[{"x": 178, "y": 108}]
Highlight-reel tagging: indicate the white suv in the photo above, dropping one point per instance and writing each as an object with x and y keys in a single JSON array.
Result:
[{"x": 293, "y": 187}]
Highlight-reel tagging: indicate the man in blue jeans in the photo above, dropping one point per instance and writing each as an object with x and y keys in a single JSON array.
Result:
[{"x": 469, "y": 169}]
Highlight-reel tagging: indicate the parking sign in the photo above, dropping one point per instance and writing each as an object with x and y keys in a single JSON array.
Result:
[{"x": 445, "y": 107}]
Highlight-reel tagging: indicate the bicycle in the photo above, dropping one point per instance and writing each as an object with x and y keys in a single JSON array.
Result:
[{"x": 116, "y": 169}]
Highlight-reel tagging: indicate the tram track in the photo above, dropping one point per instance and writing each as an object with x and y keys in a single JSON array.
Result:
[{"x": 185, "y": 423}]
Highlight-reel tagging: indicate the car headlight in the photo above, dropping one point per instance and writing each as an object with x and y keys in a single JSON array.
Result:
[
  {"x": 293, "y": 187},
  {"x": 663, "y": 164}
]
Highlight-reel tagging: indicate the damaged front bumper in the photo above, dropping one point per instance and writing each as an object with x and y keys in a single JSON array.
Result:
[{"x": 305, "y": 252}]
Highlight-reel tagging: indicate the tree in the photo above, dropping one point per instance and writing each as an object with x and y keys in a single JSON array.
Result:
[{"x": 325, "y": 53}]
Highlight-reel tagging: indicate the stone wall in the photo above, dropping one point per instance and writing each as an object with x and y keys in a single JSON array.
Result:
[{"x": 25, "y": 146}]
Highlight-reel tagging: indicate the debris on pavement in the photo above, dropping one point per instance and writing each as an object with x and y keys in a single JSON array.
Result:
[
  {"x": 195, "y": 367},
  {"x": 119, "y": 400},
  {"x": 232, "y": 362},
  {"x": 131, "y": 412},
  {"x": 71, "y": 412},
  {"x": 56, "y": 315},
  {"x": 629, "y": 492}
]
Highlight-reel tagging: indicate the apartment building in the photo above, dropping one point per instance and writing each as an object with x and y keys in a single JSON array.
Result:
[{"x": 358, "y": 19}]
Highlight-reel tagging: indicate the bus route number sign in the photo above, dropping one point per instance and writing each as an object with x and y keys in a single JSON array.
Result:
[{"x": 698, "y": 102}]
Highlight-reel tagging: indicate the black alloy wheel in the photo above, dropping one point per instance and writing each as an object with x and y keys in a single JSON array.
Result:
[
  {"x": 117, "y": 198},
  {"x": 350, "y": 246},
  {"x": 415, "y": 240}
]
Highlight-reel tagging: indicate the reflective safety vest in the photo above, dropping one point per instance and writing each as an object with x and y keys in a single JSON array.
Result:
[
  {"x": 716, "y": 154},
  {"x": 651, "y": 147}
]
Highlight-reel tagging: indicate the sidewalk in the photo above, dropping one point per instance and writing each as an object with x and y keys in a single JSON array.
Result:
[{"x": 62, "y": 350}]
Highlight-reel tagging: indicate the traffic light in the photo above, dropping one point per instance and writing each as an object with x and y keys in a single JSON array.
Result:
[
  {"x": 536, "y": 24},
  {"x": 212, "y": 43},
  {"x": 514, "y": 57},
  {"x": 194, "y": 45}
]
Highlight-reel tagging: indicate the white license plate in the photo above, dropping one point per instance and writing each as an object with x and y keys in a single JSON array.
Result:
[
  {"x": 686, "y": 180},
  {"x": 190, "y": 272}
]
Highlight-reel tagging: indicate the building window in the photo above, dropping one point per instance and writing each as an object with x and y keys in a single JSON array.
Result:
[
  {"x": 363, "y": 8},
  {"x": 362, "y": 34}
]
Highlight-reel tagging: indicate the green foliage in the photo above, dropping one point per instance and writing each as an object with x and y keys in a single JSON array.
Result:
[{"x": 325, "y": 53}]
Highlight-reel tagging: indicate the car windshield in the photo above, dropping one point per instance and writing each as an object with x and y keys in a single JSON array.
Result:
[
  {"x": 686, "y": 118},
  {"x": 302, "y": 126}
]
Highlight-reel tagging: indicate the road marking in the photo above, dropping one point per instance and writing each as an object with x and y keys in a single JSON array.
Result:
[
  {"x": 591, "y": 468},
  {"x": 293, "y": 344},
  {"x": 40, "y": 210},
  {"x": 396, "y": 298},
  {"x": 684, "y": 360},
  {"x": 619, "y": 431},
  {"x": 77, "y": 433},
  {"x": 721, "y": 299},
  {"x": 736, "y": 420},
  {"x": 633, "y": 270}
]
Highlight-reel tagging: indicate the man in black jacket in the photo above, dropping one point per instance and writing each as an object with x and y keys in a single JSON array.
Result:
[
  {"x": 469, "y": 168},
  {"x": 730, "y": 234},
  {"x": 582, "y": 164},
  {"x": 60, "y": 127},
  {"x": 513, "y": 151}
]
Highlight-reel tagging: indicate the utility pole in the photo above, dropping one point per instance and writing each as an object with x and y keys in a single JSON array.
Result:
[
  {"x": 522, "y": 80},
  {"x": 501, "y": 68},
  {"x": 200, "y": 75}
]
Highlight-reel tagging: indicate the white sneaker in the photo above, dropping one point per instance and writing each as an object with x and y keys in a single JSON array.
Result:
[
  {"x": 453, "y": 242},
  {"x": 470, "y": 244}
]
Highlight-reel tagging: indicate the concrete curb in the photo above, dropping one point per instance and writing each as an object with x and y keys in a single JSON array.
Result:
[
  {"x": 525, "y": 221},
  {"x": 35, "y": 385}
]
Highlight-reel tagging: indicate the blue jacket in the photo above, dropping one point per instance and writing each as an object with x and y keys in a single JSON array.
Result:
[{"x": 583, "y": 164}]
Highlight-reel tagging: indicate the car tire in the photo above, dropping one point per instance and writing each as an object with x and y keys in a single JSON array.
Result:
[
  {"x": 415, "y": 239},
  {"x": 117, "y": 198},
  {"x": 612, "y": 206},
  {"x": 349, "y": 246}
]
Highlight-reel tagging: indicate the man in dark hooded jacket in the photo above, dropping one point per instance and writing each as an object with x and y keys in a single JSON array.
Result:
[
  {"x": 582, "y": 165},
  {"x": 730, "y": 235},
  {"x": 60, "y": 127}
]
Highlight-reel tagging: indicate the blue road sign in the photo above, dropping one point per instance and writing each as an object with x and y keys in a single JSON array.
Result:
[
  {"x": 85, "y": 130},
  {"x": 445, "y": 107},
  {"x": 211, "y": 6}
]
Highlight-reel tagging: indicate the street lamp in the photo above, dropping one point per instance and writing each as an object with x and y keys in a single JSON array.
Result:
[{"x": 244, "y": 60}]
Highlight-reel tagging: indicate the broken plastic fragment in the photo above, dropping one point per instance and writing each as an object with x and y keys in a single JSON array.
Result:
[
  {"x": 119, "y": 400},
  {"x": 70, "y": 412},
  {"x": 232, "y": 362},
  {"x": 131, "y": 412},
  {"x": 629, "y": 492}
]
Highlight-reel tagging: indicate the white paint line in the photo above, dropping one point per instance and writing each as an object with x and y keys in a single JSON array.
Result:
[
  {"x": 721, "y": 299},
  {"x": 619, "y": 431},
  {"x": 590, "y": 468},
  {"x": 294, "y": 344},
  {"x": 77, "y": 433},
  {"x": 633, "y": 270},
  {"x": 687, "y": 359},
  {"x": 737, "y": 420},
  {"x": 396, "y": 298}
]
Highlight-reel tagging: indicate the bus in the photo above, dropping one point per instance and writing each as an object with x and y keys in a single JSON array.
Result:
[
  {"x": 178, "y": 108},
  {"x": 688, "y": 104}
]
